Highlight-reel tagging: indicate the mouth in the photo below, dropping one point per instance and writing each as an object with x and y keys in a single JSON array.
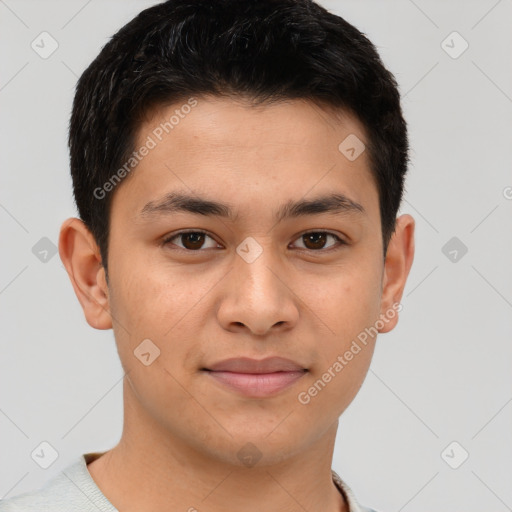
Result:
[{"x": 256, "y": 378}]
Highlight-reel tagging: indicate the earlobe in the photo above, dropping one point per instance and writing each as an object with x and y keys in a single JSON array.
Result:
[
  {"x": 397, "y": 265},
  {"x": 81, "y": 256}
]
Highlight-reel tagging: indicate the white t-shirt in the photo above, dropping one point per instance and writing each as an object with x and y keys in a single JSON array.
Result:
[{"x": 74, "y": 490}]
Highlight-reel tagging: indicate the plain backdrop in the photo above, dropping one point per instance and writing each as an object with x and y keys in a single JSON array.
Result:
[{"x": 439, "y": 388}]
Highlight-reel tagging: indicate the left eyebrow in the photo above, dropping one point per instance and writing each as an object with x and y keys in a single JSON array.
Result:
[
  {"x": 333, "y": 203},
  {"x": 175, "y": 202}
]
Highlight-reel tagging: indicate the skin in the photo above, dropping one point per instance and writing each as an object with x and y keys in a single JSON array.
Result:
[{"x": 307, "y": 302}]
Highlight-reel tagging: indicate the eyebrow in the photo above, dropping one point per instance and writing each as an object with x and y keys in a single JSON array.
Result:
[{"x": 176, "y": 202}]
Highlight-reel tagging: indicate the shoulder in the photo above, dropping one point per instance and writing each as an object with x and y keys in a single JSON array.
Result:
[
  {"x": 71, "y": 490},
  {"x": 53, "y": 497}
]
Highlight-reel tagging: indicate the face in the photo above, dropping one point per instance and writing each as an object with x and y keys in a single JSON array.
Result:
[{"x": 246, "y": 233}]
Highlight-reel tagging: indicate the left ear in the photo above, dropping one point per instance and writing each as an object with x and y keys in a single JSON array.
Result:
[{"x": 399, "y": 257}]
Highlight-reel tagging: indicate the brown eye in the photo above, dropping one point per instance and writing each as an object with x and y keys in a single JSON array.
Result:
[
  {"x": 190, "y": 240},
  {"x": 316, "y": 240}
]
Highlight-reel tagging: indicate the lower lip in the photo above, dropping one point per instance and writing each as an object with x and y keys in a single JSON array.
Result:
[{"x": 257, "y": 385}]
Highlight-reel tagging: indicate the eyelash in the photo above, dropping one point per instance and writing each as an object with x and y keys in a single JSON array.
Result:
[{"x": 340, "y": 241}]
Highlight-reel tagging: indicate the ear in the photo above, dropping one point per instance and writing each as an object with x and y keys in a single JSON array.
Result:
[
  {"x": 399, "y": 257},
  {"x": 81, "y": 256}
]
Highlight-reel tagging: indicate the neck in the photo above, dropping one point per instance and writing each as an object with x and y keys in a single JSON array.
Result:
[{"x": 152, "y": 469}]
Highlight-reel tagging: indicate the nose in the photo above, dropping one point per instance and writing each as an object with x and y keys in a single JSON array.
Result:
[{"x": 257, "y": 297}]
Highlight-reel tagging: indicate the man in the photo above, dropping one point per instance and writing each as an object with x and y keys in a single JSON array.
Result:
[{"x": 237, "y": 167}]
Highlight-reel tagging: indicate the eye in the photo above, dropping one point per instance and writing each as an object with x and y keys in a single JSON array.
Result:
[
  {"x": 195, "y": 240},
  {"x": 191, "y": 240},
  {"x": 316, "y": 240}
]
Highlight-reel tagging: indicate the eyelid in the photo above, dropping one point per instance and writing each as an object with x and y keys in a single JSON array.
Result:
[{"x": 320, "y": 230}]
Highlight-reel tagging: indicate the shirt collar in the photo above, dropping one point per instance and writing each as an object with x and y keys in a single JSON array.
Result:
[{"x": 353, "y": 505}]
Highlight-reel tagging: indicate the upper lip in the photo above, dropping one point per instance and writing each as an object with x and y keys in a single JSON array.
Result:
[{"x": 248, "y": 365}]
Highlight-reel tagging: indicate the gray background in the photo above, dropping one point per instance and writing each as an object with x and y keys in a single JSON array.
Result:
[{"x": 444, "y": 373}]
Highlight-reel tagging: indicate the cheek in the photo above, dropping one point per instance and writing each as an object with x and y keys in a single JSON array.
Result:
[
  {"x": 153, "y": 300},
  {"x": 350, "y": 308},
  {"x": 345, "y": 351},
  {"x": 350, "y": 304},
  {"x": 331, "y": 389},
  {"x": 162, "y": 308}
]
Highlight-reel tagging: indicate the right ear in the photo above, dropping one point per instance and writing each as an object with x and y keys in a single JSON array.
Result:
[{"x": 81, "y": 256}]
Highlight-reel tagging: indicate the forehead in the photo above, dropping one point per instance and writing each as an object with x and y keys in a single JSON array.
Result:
[
  {"x": 234, "y": 121},
  {"x": 224, "y": 147}
]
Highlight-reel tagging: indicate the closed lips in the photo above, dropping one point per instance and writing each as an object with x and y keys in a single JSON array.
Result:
[
  {"x": 255, "y": 378},
  {"x": 255, "y": 366}
]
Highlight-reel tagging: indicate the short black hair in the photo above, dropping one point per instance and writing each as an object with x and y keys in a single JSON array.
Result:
[{"x": 258, "y": 50}]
